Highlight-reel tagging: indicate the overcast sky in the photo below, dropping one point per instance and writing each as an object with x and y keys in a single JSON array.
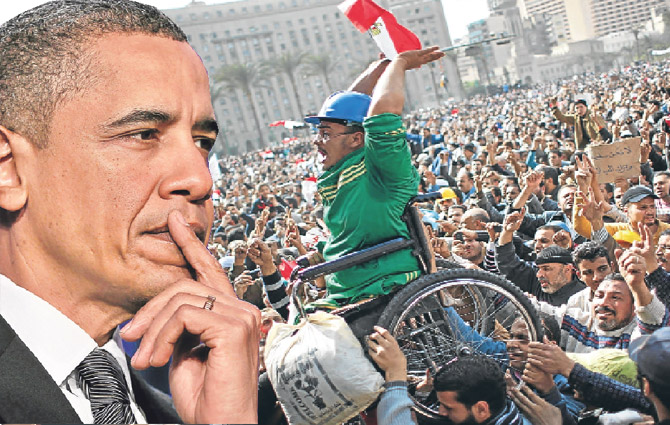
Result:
[{"x": 459, "y": 12}]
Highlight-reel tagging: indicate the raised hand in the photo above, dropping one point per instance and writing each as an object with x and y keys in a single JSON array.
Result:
[
  {"x": 384, "y": 350},
  {"x": 211, "y": 335},
  {"x": 416, "y": 58}
]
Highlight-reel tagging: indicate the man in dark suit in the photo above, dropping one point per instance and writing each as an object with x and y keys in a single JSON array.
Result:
[{"x": 105, "y": 204}]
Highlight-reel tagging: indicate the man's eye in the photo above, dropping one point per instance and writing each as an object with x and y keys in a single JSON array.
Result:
[
  {"x": 205, "y": 143},
  {"x": 143, "y": 134}
]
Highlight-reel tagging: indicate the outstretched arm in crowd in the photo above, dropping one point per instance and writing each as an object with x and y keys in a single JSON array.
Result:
[{"x": 389, "y": 95}]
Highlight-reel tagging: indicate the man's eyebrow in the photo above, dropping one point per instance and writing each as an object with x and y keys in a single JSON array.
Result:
[
  {"x": 208, "y": 125},
  {"x": 139, "y": 116}
]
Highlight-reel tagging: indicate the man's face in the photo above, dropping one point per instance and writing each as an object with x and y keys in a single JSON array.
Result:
[
  {"x": 663, "y": 252},
  {"x": 642, "y": 212},
  {"x": 567, "y": 199},
  {"x": 554, "y": 159},
  {"x": 469, "y": 248},
  {"x": 264, "y": 191},
  {"x": 511, "y": 193},
  {"x": 593, "y": 272},
  {"x": 661, "y": 186},
  {"x": 455, "y": 215},
  {"x": 464, "y": 183},
  {"x": 332, "y": 143},
  {"x": 612, "y": 305},
  {"x": 606, "y": 195},
  {"x": 553, "y": 276},
  {"x": 517, "y": 345},
  {"x": 121, "y": 155},
  {"x": 618, "y": 194},
  {"x": 543, "y": 239},
  {"x": 457, "y": 412},
  {"x": 476, "y": 167},
  {"x": 445, "y": 204},
  {"x": 581, "y": 109}
]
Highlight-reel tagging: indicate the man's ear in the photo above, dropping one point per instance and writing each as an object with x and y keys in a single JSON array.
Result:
[
  {"x": 357, "y": 141},
  {"x": 13, "y": 191},
  {"x": 481, "y": 411}
]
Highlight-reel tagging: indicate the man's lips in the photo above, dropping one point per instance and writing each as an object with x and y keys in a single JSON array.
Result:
[{"x": 163, "y": 232}]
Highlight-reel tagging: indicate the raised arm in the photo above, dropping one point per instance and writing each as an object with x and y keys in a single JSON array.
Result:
[{"x": 389, "y": 95}]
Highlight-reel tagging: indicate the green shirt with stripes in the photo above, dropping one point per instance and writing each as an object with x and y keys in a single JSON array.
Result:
[{"x": 364, "y": 195}]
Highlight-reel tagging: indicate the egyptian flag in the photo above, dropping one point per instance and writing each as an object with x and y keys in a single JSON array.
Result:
[{"x": 391, "y": 37}]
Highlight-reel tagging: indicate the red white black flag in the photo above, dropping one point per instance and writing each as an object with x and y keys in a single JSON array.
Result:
[{"x": 391, "y": 37}]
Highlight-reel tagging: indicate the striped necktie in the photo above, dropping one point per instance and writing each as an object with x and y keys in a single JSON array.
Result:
[{"x": 101, "y": 379}]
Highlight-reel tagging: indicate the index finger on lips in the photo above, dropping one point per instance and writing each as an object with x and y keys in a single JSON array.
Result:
[{"x": 208, "y": 270}]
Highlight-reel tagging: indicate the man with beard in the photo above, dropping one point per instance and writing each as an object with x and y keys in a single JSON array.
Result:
[
  {"x": 467, "y": 246},
  {"x": 610, "y": 322},
  {"x": 550, "y": 279}
]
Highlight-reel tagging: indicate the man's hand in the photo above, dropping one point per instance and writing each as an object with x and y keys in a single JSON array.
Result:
[
  {"x": 416, "y": 58},
  {"x": 384, "y": 350},
  {"x": 260, "y": 253},
  {"x": 538, "y": 378},
  {"x": 584, "y": 174},
  {"x": 562, "y": 239},
  {"x": 537, "y": 410},
  {"x": 633, "y": 267},
  {"x": 549, "y": 358},
  {"x": 593, "y": 211},
  {"x": 533, "y": 180},
  {"x": 214, "y": 370},
  {"x": 645, "y": 247},
  {"x": 440, "y": 247},
  {"x": 242, "y": 283},
  {"x": 511, "y": 224}
]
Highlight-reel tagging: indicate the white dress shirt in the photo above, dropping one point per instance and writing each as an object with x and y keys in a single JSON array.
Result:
[{"x": 58, "y": 343}]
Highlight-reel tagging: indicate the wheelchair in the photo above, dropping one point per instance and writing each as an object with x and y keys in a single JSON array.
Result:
[{"x": 441, "y": 315}]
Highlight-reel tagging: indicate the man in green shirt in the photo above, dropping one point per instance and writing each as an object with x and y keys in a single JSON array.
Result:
[{"x": 368, "y": 177}]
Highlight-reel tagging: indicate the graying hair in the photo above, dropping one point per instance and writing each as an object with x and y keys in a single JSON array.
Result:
[{"x": 44, "y": 59}]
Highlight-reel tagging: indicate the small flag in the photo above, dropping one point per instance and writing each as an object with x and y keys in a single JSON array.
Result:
[
  {"x": 276, "y": 123},
  {"x": 286, "y": 268},
  {"x": 391, "y": 37}
]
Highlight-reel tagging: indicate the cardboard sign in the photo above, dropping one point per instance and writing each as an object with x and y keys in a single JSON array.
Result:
[{"x": 617, "y": 160}]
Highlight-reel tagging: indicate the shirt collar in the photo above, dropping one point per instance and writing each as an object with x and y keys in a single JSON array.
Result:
[{"x": 56, "y": 341}]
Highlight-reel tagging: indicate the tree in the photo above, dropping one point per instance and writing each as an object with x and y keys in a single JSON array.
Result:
[
  {"x": 244, "y": 77},
  {"x": 288, "y": 64},
  {"x": 321, "y": 65}
]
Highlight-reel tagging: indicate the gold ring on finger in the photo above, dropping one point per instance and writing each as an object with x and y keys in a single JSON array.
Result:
[{"x": 209, "y": 304}]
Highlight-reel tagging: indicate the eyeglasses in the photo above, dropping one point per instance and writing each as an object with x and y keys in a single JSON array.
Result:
[
  {"x": 664, "y": 247},
  {"x": 325, "y": 137}
]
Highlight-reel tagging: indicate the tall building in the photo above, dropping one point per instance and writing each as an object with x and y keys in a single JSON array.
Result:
[
  {"x": 260, "y": 31},
  {"x": 577, "y": 20}
]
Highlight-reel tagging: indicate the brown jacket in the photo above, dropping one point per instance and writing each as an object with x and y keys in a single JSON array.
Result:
[{"x": 593, "y": 123}]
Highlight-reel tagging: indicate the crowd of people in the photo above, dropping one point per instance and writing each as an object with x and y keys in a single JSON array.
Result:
[
  {"x": 107, "y": 202},
  {"x": 519, "y": 197}
]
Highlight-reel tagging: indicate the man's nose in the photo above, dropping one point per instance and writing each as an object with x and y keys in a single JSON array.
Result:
[{"x": 186, "y": 174}]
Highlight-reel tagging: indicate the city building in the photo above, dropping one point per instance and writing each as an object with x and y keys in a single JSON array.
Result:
[
  {"x": 577, "y": 20},
  {"x": 255, "y": 35}
]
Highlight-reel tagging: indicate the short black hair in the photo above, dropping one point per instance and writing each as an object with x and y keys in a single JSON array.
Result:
[
  {"x": 550, "y": 173},
  {"x": 590, "y": 251},
  {"x": 473, "y": 379},
  {"x": 45, "y": 59}
]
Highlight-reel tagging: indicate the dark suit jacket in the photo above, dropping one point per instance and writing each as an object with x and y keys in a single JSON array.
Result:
[{"x": 28, "y": 394}]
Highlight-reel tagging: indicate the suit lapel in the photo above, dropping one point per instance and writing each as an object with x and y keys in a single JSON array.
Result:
[
  {"x": 156, "y": 405},
  {"x": 28, "y": 394}
]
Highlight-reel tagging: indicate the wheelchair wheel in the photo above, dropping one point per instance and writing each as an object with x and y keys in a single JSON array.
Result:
[
  {"x": 452, "y": 313},
  {"x": 443, "y": 264}
]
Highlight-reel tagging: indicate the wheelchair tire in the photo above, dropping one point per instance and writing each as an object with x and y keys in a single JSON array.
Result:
[
  {"x": 443, "y": 264},
  {"x": 417, "y": 317}
]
